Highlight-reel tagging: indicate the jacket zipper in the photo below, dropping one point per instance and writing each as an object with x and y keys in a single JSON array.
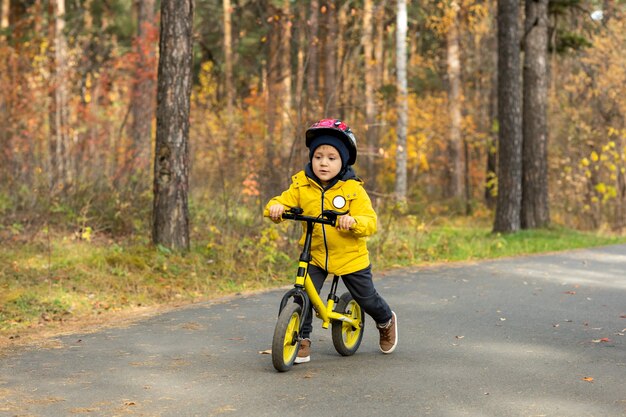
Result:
[{"x": 324, "y": 234}]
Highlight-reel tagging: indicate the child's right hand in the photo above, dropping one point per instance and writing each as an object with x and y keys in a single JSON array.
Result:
[{"x": 276, "y": 212}]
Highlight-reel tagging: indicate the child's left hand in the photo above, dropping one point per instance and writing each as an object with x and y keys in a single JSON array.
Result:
[{"x": 345, "y": 222}]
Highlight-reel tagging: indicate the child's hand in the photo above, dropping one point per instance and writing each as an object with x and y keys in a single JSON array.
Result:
[
  {"x": 345, "y": 222},
  {"x": 276, "y": 211}
]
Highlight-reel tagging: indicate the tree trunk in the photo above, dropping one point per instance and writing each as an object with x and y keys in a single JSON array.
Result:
[
  {"x": 4, "y": 15},
  {"x": 492, "y": 117},
  {"x": 455, "y": 145},
  {"x": 285, "y": 74},
  {"x": 367, "y": 41},
  {"x": 228, "y": 58},
  {"x": 143, "y": 98},
  {"x": 403, "y": 103},
  {"x": 330, "y": 56},
  {"x": 342, "y": 61},
  {"x": 171, "y": 163},
  {"x": 510, "y": 120},
  {"x": 60, "y": 163},
  {"x": 274, "y": 163},
  {"x": 300, "y": 69},
  {"x": 535, "y": 210},
  {"x": 313, "y": 60},
  {"x": 5, "y": 117}
]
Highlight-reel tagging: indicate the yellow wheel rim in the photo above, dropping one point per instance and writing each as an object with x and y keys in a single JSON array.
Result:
[
  {"x": 349, "y": 333},
  {"x": 290, "y": 345}
]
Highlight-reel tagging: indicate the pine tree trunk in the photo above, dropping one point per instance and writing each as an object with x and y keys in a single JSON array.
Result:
[
  {"x": 403, "y": 104},
  {"x": 455, "y": 145},
  {"x": 171, "y": 164},
  {"x": 509, "y": 169},
  {"x": 535, "y": 210}
]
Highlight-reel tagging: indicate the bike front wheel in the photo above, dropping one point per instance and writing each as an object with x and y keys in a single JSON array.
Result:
[
  {"x": 347, "y": 338},
  {"x": 286, "y": 341}
]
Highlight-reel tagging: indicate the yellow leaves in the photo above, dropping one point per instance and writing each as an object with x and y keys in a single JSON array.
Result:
[
  {"x": 86, "y": 234},
  {"x": 601, "y": 188},
  {"x": 269, "y": 236},
  {"x": 594, "y": 156},
  {"x": 607, "y": 191}
]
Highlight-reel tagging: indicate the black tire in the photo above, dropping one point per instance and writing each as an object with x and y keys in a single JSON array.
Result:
[
  {"x": 286, "y": 341},
  {"x": 346, "y": 338}
]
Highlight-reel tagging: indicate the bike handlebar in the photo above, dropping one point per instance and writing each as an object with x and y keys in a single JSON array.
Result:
[{"x": 327, "y": 217}]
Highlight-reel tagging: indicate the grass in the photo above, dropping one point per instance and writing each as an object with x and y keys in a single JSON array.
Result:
[{"x": 56, "y": 279}]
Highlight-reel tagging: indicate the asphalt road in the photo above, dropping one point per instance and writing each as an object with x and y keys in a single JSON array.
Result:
[{"x": 529, "y": 336}]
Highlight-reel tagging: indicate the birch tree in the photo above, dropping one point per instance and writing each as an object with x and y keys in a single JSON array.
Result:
[
  {"x": 367, "y": 43},
  {"x": 403, "y": 103}
]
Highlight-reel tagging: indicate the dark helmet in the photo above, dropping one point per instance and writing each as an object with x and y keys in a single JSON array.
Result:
[{"x": 336, "y": 128}]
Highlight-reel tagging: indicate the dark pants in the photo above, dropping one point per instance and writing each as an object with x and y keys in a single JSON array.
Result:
[{"x": 361, "y": 287}]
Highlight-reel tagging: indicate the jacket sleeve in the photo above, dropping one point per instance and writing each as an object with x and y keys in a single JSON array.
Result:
[
  {"x": 363, "y": 212},
  {"x": 289, "y": 198}
]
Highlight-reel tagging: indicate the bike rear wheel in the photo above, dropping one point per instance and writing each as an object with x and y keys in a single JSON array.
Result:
[
  {"x": 347, "y": 338},
  {"x": 286, "y": 341}
]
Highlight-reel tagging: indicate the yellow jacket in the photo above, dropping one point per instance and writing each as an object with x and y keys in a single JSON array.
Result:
[{"x": 336, "y": 251}]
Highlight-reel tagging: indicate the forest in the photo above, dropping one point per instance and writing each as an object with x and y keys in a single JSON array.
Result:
[{"x": 78, "y": 107}]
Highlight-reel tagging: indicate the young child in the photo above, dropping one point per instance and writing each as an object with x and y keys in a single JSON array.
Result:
[{"x": 328, "y": 182}]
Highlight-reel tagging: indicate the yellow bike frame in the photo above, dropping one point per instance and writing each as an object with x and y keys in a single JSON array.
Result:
[{"x": 324, "y": 312}]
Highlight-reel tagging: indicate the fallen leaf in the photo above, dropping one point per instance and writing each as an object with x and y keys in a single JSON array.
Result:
[
  {"x": 588, "y": 379},
  {"x": 459, "y": 337},
  {"x": 604, "y": 339},
  {"x": 265, "y": 352},
  {"x": 570, "y": 292},
  {"x": 623, "y": 316}
]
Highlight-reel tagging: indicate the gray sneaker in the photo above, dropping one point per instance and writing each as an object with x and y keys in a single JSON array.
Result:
[{"x": 389, "y": 335}]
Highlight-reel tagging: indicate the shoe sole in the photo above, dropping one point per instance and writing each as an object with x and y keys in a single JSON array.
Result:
[
  {"x": 386, "y": 352},
  {"x": 302, "y": 360}
]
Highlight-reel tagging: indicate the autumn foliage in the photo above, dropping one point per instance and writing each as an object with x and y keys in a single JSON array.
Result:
[{"x": 81, "y": 170}]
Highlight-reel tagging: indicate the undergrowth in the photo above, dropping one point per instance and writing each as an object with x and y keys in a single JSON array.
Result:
[{"x": 53, "y": 277}]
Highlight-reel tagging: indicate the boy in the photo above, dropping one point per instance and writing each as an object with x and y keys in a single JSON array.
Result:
[{"x": 329, "y": 182}]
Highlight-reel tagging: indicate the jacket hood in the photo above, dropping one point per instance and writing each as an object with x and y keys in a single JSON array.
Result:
[{"x": 345, "y": 175}]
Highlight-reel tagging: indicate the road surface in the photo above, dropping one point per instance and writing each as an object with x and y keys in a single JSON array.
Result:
[{"x": 530, "y": 336}]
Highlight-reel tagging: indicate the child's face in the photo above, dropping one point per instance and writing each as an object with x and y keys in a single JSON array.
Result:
[{"x": 326, "y": 163}]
